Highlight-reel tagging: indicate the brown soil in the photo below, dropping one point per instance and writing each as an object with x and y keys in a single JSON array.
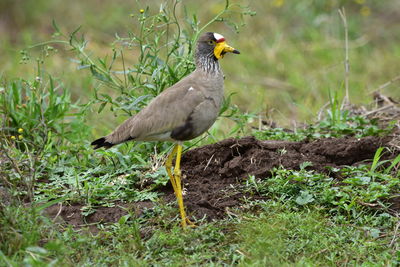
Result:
[
  {"x": 72, "y": 214},
  {"x": 213, "y": 173}
]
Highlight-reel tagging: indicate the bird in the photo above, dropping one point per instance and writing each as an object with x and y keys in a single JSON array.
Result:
[{"x": 181, "y": 112}]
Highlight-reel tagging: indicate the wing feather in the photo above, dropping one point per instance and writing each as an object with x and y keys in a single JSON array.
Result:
[{"x": 164, "y": 113}]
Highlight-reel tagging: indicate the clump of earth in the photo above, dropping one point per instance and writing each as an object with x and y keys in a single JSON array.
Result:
[{"x": 212, "y": 173}]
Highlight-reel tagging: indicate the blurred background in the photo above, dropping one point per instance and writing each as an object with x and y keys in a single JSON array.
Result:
[{"x": 292, "y": 52}]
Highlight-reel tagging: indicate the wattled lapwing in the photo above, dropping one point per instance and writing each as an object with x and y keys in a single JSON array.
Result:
[{"x": 182, "y": 112}]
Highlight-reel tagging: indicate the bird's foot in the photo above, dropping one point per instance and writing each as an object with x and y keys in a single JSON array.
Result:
[{"x": 187, "y": 223}]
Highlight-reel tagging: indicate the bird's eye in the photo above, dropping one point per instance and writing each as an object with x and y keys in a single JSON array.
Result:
[{"x": 211, "y": 42}]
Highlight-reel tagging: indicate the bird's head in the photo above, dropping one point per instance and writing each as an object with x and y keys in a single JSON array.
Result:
[{"x": 212, "y": 43}]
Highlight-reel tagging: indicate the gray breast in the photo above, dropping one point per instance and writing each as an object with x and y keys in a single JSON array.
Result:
[{"x": 204, "y": 114}]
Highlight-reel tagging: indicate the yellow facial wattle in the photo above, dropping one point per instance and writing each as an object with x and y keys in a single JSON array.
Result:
[{"x": 221, "y": 48}]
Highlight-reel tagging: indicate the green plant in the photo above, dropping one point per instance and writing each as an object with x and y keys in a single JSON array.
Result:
[
  {"x": 307, "y": 218},
  {"x": 352, "y": 194},
  {"x": 281, "y": 237},
  {"x": 20, "y": 231},
  {"x": 342, "y": 124},
  {"x": 165, "y": 47},
  {"x": 32, "y": 110},
  {"x": 337, "y": 123},
  {"x": 378, "y": 164},
  {"x": 38, "y": 122}
]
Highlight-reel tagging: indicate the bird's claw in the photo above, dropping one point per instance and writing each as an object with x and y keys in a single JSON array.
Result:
[{"x": 188, "y": 223}]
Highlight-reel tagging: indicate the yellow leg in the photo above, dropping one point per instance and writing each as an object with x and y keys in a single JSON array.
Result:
[
  {"x": 168, "y": 166},
  {"x": 176, "y": 182}
]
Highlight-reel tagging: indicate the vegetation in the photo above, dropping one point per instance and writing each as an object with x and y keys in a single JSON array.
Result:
[{"x": 55, "y": 87}]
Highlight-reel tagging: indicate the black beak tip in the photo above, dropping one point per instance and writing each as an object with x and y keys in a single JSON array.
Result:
[{"x": 236, "y": 51}]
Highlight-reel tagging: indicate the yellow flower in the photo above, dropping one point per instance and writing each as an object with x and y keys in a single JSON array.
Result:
[
  {"x": 20, "y": 130},
  {"x": 278, "y": 3},
  {"x": 20, "y": 137},
  {"x": 365, "y": 11},
  {"x": 141, "y": 11},
  {"x": 12, "y": 137}
]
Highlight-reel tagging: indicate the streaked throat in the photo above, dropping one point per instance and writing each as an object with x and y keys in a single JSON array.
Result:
[{"x": 208, "y": 63}]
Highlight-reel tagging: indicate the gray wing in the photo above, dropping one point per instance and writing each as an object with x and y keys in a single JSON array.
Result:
[{"x": 166, "y": 112}]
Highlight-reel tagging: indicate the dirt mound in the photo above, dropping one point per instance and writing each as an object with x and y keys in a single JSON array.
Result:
[
  {"x": 240, "y": 157},
  {"x": 212, "y": 173}
]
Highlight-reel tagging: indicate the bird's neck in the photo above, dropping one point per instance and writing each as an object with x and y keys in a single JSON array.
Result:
[{"x": 209, "y": 64}]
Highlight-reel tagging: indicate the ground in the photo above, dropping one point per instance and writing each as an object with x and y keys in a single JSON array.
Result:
[
  {"x": 213, "y": 174},
  {"x": 68, "y": 79}
]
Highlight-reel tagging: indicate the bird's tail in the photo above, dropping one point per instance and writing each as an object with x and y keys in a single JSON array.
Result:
[{"x": 101, "y": 142}]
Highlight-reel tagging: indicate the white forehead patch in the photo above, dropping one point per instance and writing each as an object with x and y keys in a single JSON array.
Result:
[
  {"x": 191, "y": 88},
  {"x": 218, "y": 36}
]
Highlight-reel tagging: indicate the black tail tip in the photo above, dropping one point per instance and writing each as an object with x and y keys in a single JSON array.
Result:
[{"x": 101, "y": 142}]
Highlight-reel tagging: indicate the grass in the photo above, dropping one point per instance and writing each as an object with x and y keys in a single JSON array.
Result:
[
  {"x": 279, "y": 235},
  {"x": 288, "y": 71},
  {"x": 53, "y": 94},
  {"x": 283, "y": 237},
  {"x": 119, "y": 244}
]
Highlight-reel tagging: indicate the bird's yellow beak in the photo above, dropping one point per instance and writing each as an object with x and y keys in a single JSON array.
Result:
[{"x": 221, "y": 48}]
